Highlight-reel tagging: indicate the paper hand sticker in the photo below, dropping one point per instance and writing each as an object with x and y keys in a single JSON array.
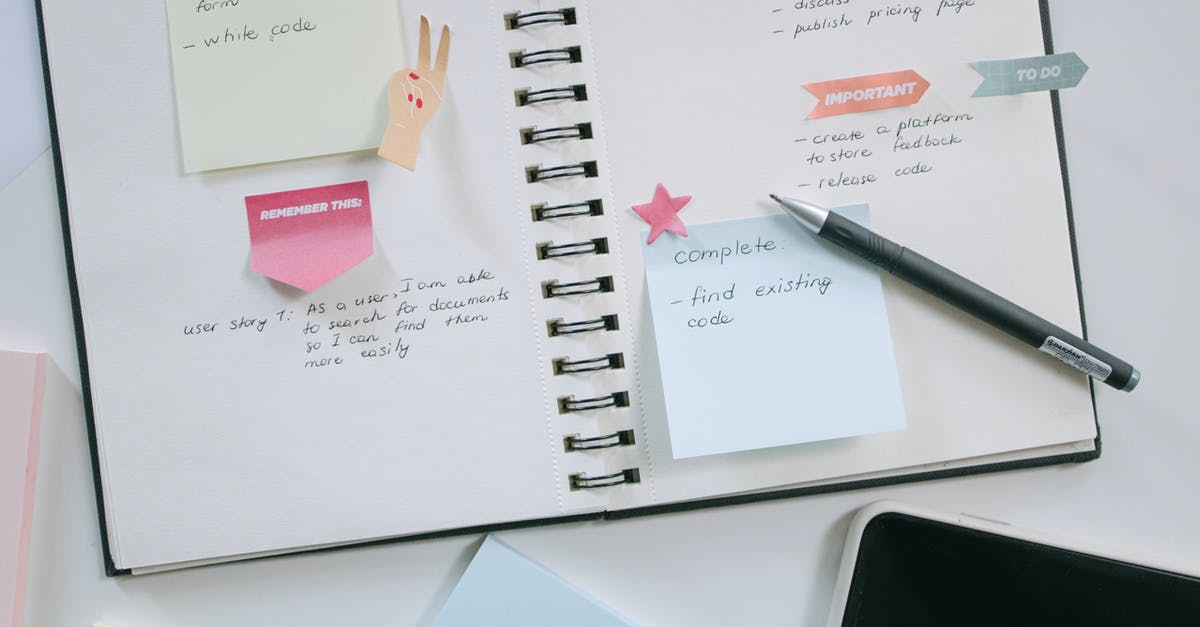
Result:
[{"x": 414, "y": 95}]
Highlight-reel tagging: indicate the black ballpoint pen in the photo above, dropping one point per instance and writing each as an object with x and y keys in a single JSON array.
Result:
[{"x": 968, "y": 296}]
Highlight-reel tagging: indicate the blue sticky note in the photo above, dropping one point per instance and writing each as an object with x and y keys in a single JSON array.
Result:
[
  {"x": 503, "y": 588},
  {"x": 768, "y": 336}
]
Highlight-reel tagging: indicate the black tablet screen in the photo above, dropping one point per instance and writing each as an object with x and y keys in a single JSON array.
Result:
[{"x": 914, "y": 571}]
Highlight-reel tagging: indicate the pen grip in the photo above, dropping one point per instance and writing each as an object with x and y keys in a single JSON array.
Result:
[
  {"x": 861, "y": 241},
  {"x": 978, "y": 301}
]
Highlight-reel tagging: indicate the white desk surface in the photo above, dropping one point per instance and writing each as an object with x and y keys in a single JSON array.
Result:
[{"x": 1132, "y": 141}]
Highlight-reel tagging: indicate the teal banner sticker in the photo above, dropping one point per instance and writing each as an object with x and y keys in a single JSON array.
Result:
[{"x": 1017, "y": 76}]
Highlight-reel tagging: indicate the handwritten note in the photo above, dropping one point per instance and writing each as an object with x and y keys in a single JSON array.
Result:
[
  {"x": 768, "y": 337},
  {"x": 809, "y": 18},
  {"x": 890, "y": 146},
  {"x": 409, "y": 319},
  {"x": 268, "y": 80}
]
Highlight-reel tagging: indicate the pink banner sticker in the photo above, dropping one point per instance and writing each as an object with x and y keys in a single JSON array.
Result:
[
  {"x": 867, "y": 93},
  {"x": 305, "y": 237}
]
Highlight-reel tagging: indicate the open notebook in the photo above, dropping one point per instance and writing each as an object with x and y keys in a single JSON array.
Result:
[{"x": 235, "y": 442}]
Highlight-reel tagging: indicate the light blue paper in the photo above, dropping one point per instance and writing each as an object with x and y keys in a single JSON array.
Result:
[
  {"x": 1018, "y": 76},
  {"x": 768, "y": 336},
  {"x": 503, "y": 588}
]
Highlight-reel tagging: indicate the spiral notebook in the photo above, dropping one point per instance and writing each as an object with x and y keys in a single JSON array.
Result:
[{"x": 465, "y": 390}]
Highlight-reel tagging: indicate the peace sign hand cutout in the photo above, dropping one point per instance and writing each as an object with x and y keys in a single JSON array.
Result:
[{"x": 414, "y": 95}]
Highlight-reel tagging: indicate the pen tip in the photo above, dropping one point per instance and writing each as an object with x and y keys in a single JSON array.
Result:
[{"x": 775, "y": 198}]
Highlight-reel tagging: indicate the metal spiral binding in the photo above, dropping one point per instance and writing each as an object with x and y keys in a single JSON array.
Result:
[
  {"x": 537, "y": 174},
  {"x": 533, "y": 135},
  {"x": 594, "y": 246},
  {"x": 569, "y": 54},
  {"x": 611, "y": 361},
  {"x": 549, "y": 250},
  {"x": 574, "y": 442},
  {"x": 515, "y": 19},
  {"x": 524, "y": 97},
  {"x": 557, "y": 327},
  {"x": 580, "y": 481},
  {"x": 571, "y": 405},
  {"x": 593, "y": 207},
  {"x": 598, "y": 285}
]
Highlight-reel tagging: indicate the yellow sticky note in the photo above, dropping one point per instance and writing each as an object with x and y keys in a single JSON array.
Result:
[{"x": 270, "y": 80}]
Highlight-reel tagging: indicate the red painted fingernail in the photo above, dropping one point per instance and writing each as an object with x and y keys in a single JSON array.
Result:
[
  {"x": 410, "y": 97},
  {"x": 419, "y": 103},
  {"x": 413, "y": 75}
]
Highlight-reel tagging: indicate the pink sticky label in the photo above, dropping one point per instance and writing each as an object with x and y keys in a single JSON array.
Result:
[
  {"x": 305, "y": 237},
  {"x": 867, "y": 93},
  {"x": 662, "y": 213}
]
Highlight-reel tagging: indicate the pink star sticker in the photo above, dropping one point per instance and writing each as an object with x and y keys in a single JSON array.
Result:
[{"x": 662, "y": 213}]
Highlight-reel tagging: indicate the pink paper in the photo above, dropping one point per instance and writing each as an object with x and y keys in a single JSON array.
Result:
[
  {"x": 662, "y": 213},
  {"x": 22, "y": 384},
  {"x": 867, "y": 93},
  {"x": 305, "y": 237}
]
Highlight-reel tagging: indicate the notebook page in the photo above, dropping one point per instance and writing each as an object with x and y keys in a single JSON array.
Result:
[
  {"x": 710, "y": 100},
  {"x": 239, "y": 415}
]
